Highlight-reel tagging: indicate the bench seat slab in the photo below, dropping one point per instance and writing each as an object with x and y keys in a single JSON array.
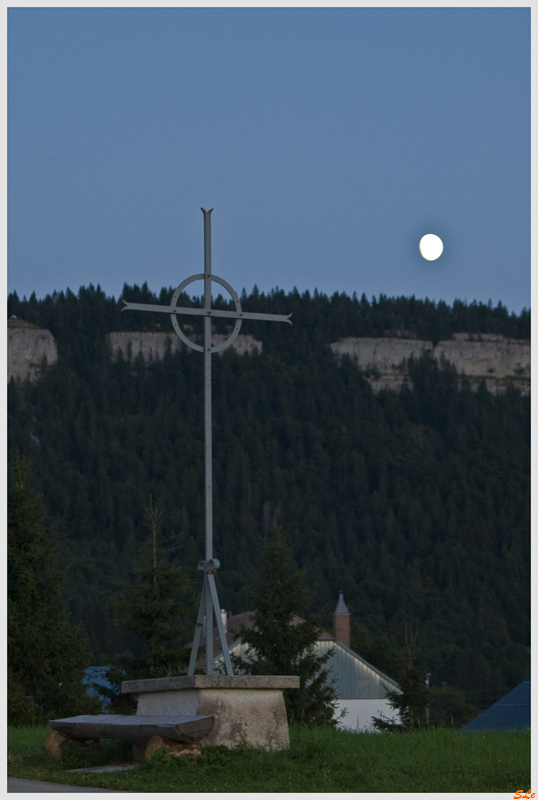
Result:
[{"x": 135, "y": 728}]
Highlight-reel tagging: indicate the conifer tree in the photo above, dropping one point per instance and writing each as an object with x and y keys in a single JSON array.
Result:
[
  {"x": 411, "y": 702},
  {"x": 278, "y": 645},
  {"x": 156, "y": 610},
  {"x": 46, "y": 656},
  {"x": 413, "y": 495}
]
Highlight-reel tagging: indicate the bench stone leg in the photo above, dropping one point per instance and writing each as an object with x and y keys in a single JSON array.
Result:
[
  {"x": 172, "y": 747},
  {"x": 55, "y": 744}
]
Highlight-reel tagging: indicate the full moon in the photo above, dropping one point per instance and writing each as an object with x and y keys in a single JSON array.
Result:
[{"x": 430, "y": 246}]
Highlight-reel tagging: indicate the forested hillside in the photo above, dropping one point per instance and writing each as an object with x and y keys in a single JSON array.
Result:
[{"x": 415, "y": 503}]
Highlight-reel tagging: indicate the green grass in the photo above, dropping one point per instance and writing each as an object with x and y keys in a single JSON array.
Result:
[{"x": 438, "y": 760}]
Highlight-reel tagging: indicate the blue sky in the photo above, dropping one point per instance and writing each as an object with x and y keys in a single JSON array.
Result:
[{"x": 328, "y": 142}]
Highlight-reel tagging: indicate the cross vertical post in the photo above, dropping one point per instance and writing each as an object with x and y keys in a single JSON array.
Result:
[
  {"x": 207, "y": 390},
  {"x": 209, "y": 602},
  {"x": 208, "y": 437}
]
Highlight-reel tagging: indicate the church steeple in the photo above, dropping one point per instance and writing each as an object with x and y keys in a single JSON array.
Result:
[{"x": 341, "y": 621}]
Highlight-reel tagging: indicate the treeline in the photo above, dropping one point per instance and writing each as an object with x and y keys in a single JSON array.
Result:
[
  {"x": 416, "y": 504},
  {"x": 319, "y": 318}
]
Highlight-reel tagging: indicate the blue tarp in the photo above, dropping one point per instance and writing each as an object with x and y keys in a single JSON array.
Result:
[
  {"x": 512, "y": 712},
  {"x": 97, "y": 675}
]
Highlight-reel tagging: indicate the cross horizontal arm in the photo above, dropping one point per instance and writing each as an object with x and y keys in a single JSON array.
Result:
[{"x": 202, "y": 312}]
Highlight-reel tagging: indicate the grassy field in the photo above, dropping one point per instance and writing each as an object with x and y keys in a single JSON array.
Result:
[{"x": 318, "y": 761}]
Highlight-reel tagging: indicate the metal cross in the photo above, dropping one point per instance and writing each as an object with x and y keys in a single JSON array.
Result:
[{"x": 209, "y": 602}]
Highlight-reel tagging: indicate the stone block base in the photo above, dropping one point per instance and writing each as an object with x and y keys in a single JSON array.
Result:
[{"x": 248, "y": 710}]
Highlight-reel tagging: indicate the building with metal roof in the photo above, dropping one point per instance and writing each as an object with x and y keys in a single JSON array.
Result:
[
  {"x": 511, "y": 713},
  {"x": 360, "y": 687}
]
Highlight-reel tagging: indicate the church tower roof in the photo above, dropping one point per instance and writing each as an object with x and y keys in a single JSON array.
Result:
[{"x": 341, "y": 607}]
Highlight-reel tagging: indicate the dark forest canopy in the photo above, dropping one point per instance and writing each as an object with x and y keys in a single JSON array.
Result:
[
  {"x": 416, "y": 504},
  {"x": 323, "y": 318}
]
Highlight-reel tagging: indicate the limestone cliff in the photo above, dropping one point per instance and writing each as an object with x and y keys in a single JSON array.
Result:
[
  {"x": 27, "y": 346},
  {"x": 495, "y": 359},
  {"x": 154, "y": 345}
]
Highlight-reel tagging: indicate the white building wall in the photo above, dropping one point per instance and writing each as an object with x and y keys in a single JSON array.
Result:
[{"x": 360, "y": 712}]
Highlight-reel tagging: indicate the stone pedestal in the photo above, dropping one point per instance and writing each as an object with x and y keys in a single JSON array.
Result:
[{"x": 248, "y": 709}]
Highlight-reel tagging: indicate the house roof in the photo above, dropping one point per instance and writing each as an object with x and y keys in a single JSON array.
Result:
[
  {"x": 233, "y": 628},
  {"x": 511, "y": 712},
  {"x": 354, "y": 677}
]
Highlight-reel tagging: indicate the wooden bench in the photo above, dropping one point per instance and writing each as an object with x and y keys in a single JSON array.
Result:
[{"x": 180, "y": 735}]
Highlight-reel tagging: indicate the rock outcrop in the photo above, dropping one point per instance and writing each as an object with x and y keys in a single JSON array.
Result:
[
  {"x": 496, "y": 360},
  {"x": 154, "y": 345},
  {"x": 27, "y": 346}
]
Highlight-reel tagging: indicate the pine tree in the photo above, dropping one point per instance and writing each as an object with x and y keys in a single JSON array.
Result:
[
  {"x": 156, "y": 612},
  {"x": 421, "y": 497},
  {"x": 411, "y": 702},
  {"x": 46, "y": 656},
  {"x": 278, "y": 645}
]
